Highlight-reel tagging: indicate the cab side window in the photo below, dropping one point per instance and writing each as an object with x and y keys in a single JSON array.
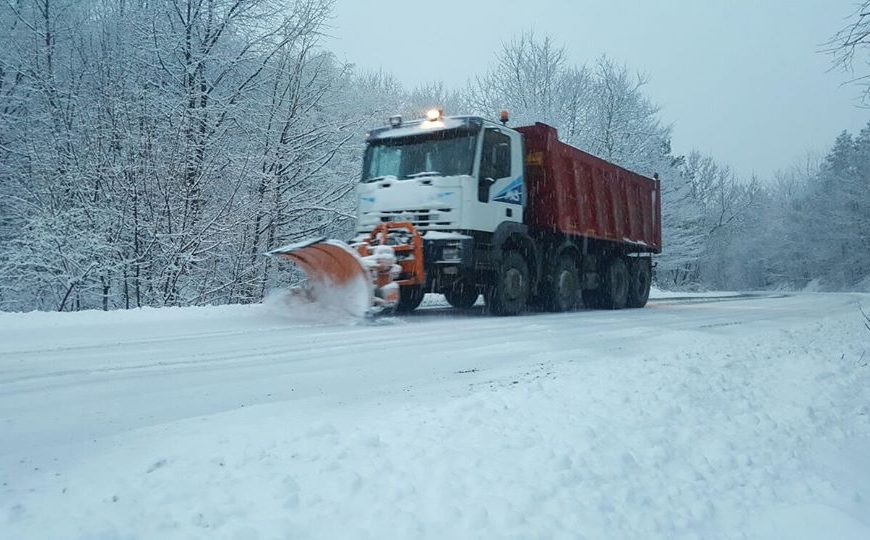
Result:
[{"x": 495, "y": 161}]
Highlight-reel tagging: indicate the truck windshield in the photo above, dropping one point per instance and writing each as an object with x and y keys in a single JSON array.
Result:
[{"x": 443, "y": 153}]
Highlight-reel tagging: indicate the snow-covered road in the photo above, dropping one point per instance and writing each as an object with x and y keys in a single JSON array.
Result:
[{"x": 710, "y": 416}]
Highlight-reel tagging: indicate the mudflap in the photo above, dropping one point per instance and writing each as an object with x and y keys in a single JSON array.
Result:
[{"x": 335, "y": 272}]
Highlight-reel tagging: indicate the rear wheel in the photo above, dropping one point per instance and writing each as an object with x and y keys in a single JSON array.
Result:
[
  {"x": 461, "y": 295},
  {"x": 509, "y": 292},
  {"x": 612, "y": 291},
  {"x": 410, "y": 298},
  {"x": 639, "y": 282},
  {"x": 563, "y": 286}
]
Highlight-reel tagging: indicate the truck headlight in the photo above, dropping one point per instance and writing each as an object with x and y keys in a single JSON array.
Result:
[{"x": 451, "y": 252}]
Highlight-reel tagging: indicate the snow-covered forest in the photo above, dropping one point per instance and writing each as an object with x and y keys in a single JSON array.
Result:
[{"x": 151, "y": 152}]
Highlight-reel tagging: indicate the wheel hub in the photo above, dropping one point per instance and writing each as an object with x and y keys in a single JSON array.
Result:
[
  {"x": 513, "y": 283},
  {"x": 567, "y": 286}
]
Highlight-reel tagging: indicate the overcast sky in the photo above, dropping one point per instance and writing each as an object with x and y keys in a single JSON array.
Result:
[{"x": 740, "y": 79}]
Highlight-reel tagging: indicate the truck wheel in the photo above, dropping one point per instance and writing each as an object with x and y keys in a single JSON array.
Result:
[
  {"x": 563, "y": 286},
  {"x": 640, "y": 278},
  {"x": 613, "y": 290},
  {"x": 409, "y": 298},
  {"x": 509, "y": 292},
  {"x": 461, "y": 295}
]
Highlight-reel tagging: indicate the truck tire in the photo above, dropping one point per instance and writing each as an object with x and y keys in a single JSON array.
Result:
[
  {"x": 509, "y": 291},
  {"x": 562, "y": 287},
  {"x": 640, "y": 280},
  {"x": 612, "y": 292},
  {"x": 462, "y": 295},
  {"x": 409, "y": 298}
]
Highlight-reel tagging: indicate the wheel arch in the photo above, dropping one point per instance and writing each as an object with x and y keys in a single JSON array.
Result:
[{"x": 569, "y": 249}]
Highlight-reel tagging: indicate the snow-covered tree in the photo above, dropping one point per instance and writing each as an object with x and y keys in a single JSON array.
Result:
[
  {"x": 851, "y": 46},
  {"x": 531, "y": 78},
  {"x": 141, "y": 136},
  {"x": 812, "y": 223}
]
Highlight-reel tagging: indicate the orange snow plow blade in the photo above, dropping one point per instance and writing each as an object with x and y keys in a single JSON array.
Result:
[
  {"x": 332, "y": 267},
  {"x": 324, "y": 260},
  {"x": 368, "y": 278}
]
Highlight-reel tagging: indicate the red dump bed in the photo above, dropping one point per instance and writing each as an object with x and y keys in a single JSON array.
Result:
[{"x": 572, "y": 192}]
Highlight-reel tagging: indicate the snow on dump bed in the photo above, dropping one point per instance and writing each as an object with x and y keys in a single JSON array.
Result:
[{"x": 739, "y": 417}]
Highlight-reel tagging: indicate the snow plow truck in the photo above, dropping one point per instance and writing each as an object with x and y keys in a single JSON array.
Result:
[{"x": 466, "y": 206}]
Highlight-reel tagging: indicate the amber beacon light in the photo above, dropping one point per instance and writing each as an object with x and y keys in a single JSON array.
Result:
[{"x": 433, "y": 115}]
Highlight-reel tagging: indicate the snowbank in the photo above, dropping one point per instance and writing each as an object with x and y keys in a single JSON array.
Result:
[{"x": 719, "y": 429}]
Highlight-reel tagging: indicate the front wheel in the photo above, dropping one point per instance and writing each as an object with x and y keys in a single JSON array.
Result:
[
  {"x": 509, "y": 291},
  {"x": 462, "y": 295},
  {"x": 410, "y": 298}
]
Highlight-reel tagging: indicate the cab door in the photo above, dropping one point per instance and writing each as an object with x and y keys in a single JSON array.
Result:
[{"x": 501, "y": 192}]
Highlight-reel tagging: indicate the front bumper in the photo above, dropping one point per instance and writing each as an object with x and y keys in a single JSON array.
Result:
[{"x": 448, "y": 256}]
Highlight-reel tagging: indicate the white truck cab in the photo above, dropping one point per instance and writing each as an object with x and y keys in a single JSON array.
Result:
[{"x": 459, "y": 174}]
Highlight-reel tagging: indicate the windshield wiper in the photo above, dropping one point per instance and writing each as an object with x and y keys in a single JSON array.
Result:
[
  {"x": 422, "y": 174},
  {"x": 379, "y": 178}
]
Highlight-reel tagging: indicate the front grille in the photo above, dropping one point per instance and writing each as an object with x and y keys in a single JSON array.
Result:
[{"x": 421, "y": 218}]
